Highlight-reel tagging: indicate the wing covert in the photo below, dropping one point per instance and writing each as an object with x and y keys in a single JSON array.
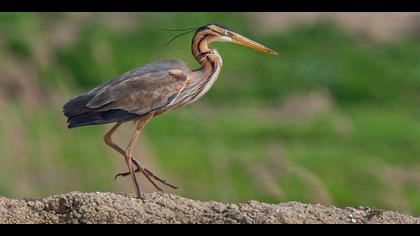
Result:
[{"x": 141, "y": 94}]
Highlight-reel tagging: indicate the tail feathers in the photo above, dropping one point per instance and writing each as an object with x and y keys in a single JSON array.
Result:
[
  {"x": 98, "y": 118},
  {"x": 77, "y": 105}
]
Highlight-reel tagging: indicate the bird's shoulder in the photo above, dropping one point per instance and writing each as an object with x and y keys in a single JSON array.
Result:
[{"x": 163, "y": 65}]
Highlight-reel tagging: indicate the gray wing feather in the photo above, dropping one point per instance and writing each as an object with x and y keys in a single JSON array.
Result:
[
  {"x": 147, "y": 68},
  {"x": 141, "y": 90}
]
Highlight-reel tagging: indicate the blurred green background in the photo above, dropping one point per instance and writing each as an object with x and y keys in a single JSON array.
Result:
[{"x": 334, "y": 119}]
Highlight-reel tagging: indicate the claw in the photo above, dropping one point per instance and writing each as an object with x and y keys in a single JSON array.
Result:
[
  {"x": 125, "y": 173},
  {"x": 121, "y": 174}
]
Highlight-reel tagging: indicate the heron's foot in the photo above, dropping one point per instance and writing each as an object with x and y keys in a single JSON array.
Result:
[{"x": 148, "y": 174}]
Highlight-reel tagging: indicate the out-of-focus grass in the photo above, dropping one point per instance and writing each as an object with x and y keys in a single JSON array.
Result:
[
  {"x": 351, "y": 165},
  {"x": 333, "y": 119},
  {"x": 39, "y": 157}
]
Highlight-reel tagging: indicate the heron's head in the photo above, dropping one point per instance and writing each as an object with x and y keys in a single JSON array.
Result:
[{"x": 220, "y": 33}]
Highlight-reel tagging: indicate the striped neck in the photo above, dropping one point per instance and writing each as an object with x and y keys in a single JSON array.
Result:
[
  {"x": 208, "y": 58},
  {"x": 203, "y": 78}
]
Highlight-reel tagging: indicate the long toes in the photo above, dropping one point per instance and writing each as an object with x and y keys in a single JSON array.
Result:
[
  {"x": 148, "y": 174},
  {"x": 156, "y": 187},
  {"x": 163, "y": 181}
]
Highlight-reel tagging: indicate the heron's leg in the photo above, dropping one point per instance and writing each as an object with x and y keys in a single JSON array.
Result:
[
  {"x": 128, "y": 154},
  {"x": 129, "y": 151},
  {"x": 108, "y": 139},
  {"x": 139, "y": 168},
  {"x": 109, "y": 142}
]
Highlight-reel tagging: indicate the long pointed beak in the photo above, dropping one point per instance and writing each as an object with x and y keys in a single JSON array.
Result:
[{"x": 239, "y": 39}]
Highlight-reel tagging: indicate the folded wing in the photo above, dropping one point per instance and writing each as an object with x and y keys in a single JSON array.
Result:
[{"x": 134, "y": 95}]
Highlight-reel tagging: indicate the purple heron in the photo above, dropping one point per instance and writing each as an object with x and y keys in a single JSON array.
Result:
[{"x": 150, "y": 90}]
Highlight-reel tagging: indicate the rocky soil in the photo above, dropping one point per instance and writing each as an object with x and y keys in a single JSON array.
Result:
[{"x": 76, "y": 207}]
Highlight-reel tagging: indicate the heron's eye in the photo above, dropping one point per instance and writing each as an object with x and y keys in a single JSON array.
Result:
[{"x": 225, "y": 33}]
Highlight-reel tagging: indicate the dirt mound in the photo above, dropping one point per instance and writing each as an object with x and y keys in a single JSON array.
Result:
[{"x": 76, "y": 207}]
